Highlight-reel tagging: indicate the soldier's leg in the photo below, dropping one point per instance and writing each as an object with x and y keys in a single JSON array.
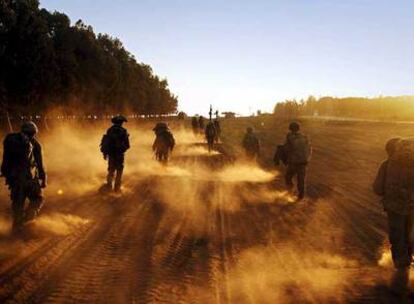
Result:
[
  {"x": 164, "y": 158},
  {"x": 118, "y": 178},
  {"x": 211, "y": 143},
  {"x": 397, "y": 237},
  {"x": 18, "y": 197},
  {"x": 34, "y": 193},
  {"x": 111, "y": 171},
  {"x": 290, "y": 173},
  {"x": 119, "y": 171},
  {"x": 409, "y": 222},
  {"x": 301, "y": 175}
]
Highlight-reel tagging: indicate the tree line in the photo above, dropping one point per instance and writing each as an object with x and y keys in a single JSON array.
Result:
[
  {"x": 379, "y": 108},
  {"x": 45, "y": 62}
]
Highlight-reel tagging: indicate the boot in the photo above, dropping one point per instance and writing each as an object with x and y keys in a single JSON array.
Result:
[
  {"x": 31, "y": 214},
  {"x": 109, "y": 181},
  {"x": 18, "y": 221},
  {"x": 118, "y": 181}
]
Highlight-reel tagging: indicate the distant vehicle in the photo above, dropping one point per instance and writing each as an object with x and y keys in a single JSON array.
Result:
[{"x": 229, "y": 114}]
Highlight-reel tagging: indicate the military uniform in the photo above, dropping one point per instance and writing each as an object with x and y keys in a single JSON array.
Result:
[
  {"x": 210, "y": 133},
  {"x": 298, "y": 153},
  {"x": 399, "y": 209},
  {"x": 114, "y": 145},
  {"x": 23, "y": 169},
  {"x": 164, "y": 142}
]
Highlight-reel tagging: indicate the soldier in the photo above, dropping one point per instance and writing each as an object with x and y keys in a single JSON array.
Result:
[
  {"x": 395, "y": 184},
  {"x": 164, "y": 142},
  {"x": 218, "y": 130},
  {"x": 23, "y": 169},
  {"x": 194, "y": 125},
  {"x": 201, "y": 124},
  {"x": 298, "y": 150},
  {"x": 114, "y": 144},
  {"x": 251, "y": 144},
  {"x": 210, "y": 133}
]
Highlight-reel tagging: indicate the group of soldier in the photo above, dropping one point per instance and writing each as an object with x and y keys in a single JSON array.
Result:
[
  {"x": 295, "y": 152},
  {"x": 25, "y": 175},
  {"x": 115, "y": 143},
  {"x": 394, "y": 183},
  {"x": 22, "y": 167}
]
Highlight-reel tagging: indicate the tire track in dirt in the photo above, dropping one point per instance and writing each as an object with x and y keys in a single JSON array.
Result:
[
  {"x": 190, "y": 266},
  {"x": 24, "y": 279},
  {"x": 182, "y": 267},
  {"x": 31, "y": 246},
  {"x": 113, "y": 267},
  {"x": 21, "y": 287}
]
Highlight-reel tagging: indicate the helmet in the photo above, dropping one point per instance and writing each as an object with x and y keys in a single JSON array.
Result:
[
  {"x": 249, "y": 129},
  {"x": 29, "y": 128},
  {"x": 391, "y": 145},
  {"x": 294, "y": 127},
  {"x": 119, "y": 119},
  {"x": 160, "y": 126}
]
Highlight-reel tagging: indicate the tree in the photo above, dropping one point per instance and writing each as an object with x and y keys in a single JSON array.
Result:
[{"x": 47, "y": 63}]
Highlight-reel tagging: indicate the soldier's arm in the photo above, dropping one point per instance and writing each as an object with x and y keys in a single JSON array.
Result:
[
  {"x": 127, "y": 141},
  {"x": 379, "y": 182}
]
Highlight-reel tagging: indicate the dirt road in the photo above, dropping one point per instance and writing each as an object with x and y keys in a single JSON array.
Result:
[{"x": 209, "y": 230}]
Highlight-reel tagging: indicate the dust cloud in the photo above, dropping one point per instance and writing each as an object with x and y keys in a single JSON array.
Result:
[
  {"x": 58, "y": 223},
  {"x": 287, "y": 274},
  {"x": 76, "y": 166}
]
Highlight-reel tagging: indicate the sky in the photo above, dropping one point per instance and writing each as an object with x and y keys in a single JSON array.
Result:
[{"x": 245, "y": 56}]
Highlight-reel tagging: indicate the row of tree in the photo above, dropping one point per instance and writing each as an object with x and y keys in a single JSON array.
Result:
[
  {"x": 47, "y": 62},
  {"x": 380, "y": 108}
]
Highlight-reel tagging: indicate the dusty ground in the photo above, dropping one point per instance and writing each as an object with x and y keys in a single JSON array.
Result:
[{"x": 208, "y": 228}]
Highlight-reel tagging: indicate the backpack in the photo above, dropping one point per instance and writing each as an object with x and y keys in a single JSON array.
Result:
[
  {"x": 399, "y": 181},
  {"x": 210, "y": 131},
  {"x": 17, "y": 154},
  {"x": 164, "y": 141},
  {"x": 298, "y": 148},
  {"x": 115, "y": 141},
  {"x": 168, "y": 139},
  {"x": 15, "y": 145}
]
